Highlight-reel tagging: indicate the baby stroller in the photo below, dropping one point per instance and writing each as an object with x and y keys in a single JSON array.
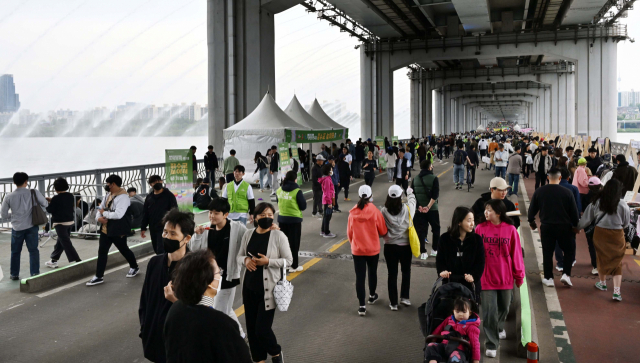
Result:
[{"x": 439, "y": 307}]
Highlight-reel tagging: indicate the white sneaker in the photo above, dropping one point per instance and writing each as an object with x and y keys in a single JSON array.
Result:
[
  {"x": 559, "y": 268},
  {"x": 51, "y": 264},
  {"x": 594, "y": 271},
  {"x": 502, "y": 335},
  {"x": 434, "y": 253},
  {"x": 547, "y": 282},
  {"x": 424, "y": 256},
  {"x": 566, "y": 280},
  {"x": 329, "y": 235},
  {"x": 574, "y": 263},
  {"x": 405, "y": 302},
  {"x": 393, "y": 307},
  {"x": 298, "y": 269},
  {"x": 491, "y": 353}
]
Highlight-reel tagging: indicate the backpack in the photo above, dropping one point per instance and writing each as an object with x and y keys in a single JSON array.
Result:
[
  {"x": 458, "y": 157},
  {"x": 203, "y": 201}
]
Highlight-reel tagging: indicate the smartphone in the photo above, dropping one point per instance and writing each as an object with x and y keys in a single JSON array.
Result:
[{"x": 252, "y": 256}]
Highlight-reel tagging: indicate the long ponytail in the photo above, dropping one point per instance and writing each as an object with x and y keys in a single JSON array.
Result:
[{"x": 363, "y": 202}]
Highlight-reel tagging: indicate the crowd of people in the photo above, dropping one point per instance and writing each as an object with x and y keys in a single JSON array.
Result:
[{"x": 194, "y": 276}]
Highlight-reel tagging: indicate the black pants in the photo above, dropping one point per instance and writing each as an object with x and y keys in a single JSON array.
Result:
[
  {"x": 64, "y": 244},
  {"x": 369, "y": 176},
  {"x": 362, "y": 264},
  {"x": 541, "y": 180},
  {"x": 592, "y": 250},
  {"x": 472, "y": 180},
  {"x": 337, "y": 190},
  {"x": 402, "y": 182},
  {"x": 317, "y": 201},
  {"x": 526, "y": 170},
  {"x": 422, "y": 221},
  {"x": 293, "y": 232},
  {"x": 156, "y": 240},
  {"x": 565, "y": 238},
  {"x": 262, "y": 340},
  {"x": 229, "y": 177},
  {"x": 437, "y": 352},
  {"x": 446, "y": 152},
  {"x": 326, "y": 218},
  {"x": 439, "y": 153},
  {"x": 395, "y": 254},
  {"x": 104, "y": 245},
  {"x": 483, "y": 153}
]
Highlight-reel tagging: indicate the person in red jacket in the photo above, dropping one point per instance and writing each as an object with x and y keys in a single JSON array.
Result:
[
  {"x": 365, "y": 244},
  {"x": 503, "y": 266},
  {"x": 464, "y": 322}
]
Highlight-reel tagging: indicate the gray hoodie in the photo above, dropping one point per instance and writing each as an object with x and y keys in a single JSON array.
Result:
[
  {"x": 398, "y": 225},
  {"x": 201, "y": 242}
]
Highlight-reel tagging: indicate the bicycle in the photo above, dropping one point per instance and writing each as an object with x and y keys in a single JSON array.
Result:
[{"x": 469, "y": 177}]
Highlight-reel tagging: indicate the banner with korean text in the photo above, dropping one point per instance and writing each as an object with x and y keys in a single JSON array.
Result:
[{"x": 179, "y": 177}]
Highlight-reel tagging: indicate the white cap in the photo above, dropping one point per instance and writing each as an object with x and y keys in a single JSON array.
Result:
[
  {"x": 365, "y": 191},
  {"x": 320, "y": 157},
  {"x": 395, "y": 191}
]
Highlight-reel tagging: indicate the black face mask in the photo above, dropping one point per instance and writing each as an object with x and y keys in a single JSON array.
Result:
[
  {"x": 107, "y": 188},
  {"x": 170, "y": 245},
  {"x": 157, "y": 186},
  {"x": 265, "y": 223}
]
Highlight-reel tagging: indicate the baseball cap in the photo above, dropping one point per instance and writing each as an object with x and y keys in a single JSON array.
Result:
[
  {"x": 331, "y": 157},
  {"x": 320, "y": 157},
  {"x": 594, "y": 180},
  {"x": 395, "y": 191},
  {"x": 364, "y": 191},
  {"x": 499, "y": 183}
]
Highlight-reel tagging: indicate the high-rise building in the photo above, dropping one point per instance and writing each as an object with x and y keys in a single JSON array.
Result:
[
  {"x": 628, "y": 98},
  {"x": 9, "y": 100}
]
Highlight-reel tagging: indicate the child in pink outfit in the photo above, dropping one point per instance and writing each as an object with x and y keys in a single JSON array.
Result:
[
  {"x": 328, "y": 200},
  {"x": 581, "y": 180},
  {"x": 463, "y": 322}
]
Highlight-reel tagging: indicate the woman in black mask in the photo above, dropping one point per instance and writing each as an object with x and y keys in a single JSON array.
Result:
[{"x": 264, "y": 253}]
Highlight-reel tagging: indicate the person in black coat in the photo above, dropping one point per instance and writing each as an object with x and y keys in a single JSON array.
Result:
[
  {"x": 194, "y": 332},
  {"x": 210, "y": 163},
  {"x": 62, "y": 209},
  {"x": 156, "y": 205},
  {"x": 461, "y": 252}
]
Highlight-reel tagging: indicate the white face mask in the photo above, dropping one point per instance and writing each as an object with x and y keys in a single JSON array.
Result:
[
  {"x": 331, "y": 172},
  {"x": 216, "y": 289}
]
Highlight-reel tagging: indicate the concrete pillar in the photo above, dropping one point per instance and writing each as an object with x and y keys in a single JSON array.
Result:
[
  {"x": 447, "y": 112},
  {"x": 437, "y": 100},
  {"x": 376, "y": 82},
  {"x": 415, "y": 102},
  {"x": 240, "y": 39},
  {"x": 427, "y": 114},
  {"x": 368, "y": 94}
]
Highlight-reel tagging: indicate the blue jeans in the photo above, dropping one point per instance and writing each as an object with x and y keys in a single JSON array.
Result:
[
  {"x": 458, "y": 174},
  {"x": 263, "y": 172},
  {"x": 242, "y": 220},
  {"x": 501, "y": 171},
  {"x": 30, "y": 236},
  {"x": 514, "y": 179}
]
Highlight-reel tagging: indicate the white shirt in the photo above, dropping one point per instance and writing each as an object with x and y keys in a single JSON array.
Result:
[
  {"x": 483, "y": 145},
  {"x": 533, "y": 147},
  {"x": 508, "y": 148},
  {"x": 348, "y": 158},
  {"x": 235, "y": 188}
]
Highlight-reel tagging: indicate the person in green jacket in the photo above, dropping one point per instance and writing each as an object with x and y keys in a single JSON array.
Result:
[
  {"x": 291, "y": 203},
  {"x": 240, "y": 196},
  {"x": 230, "y": 164}
]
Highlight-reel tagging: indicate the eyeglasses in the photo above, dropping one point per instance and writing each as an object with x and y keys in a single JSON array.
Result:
[{"x": 220, "y": 272}]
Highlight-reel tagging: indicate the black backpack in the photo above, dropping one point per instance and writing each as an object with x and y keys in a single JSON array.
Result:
[{"x": 458, "y": 157}]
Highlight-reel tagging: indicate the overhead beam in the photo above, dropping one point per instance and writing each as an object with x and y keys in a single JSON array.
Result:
[
  {"x": 493, "y": 72},
  {"x": 400, "y": 14},
  {"x": 429, "y": 13},
  {"x": 422, "y": 19},
  {"x": 384, "y": 17}
]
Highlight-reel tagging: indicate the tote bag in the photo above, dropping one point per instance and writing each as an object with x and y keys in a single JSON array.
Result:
[
  {"x": 283, "y": 292},
  {"x": 38, "y": 216},
  {"x": 414, "y": 241}
]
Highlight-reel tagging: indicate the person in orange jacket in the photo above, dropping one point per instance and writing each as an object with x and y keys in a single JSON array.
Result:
[{"x": 365, "y": 244}]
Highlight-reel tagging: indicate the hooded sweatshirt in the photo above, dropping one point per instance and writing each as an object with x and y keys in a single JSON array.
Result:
[
  {"x": 469, "y": 328},
  {"x": 365, "y": 240},
  {"x": 503, "y": 256},
  {"x": 398, "y": 225},
  {"x": 328, "y": 192},
  {"x": 581, "y": 180}
]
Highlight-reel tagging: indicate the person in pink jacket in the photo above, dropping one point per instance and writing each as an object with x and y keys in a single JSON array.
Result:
[
  {"x": 466, "y": 323},
  {"x": 365, "y": 226},
  {"x": 581, "y": 180},
  {"x": 503, "y": 266},
  {"x": 328, "y": 200}
]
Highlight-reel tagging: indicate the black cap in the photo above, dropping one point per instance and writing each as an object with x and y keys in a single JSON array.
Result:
[{"x": 331, "y": 157}]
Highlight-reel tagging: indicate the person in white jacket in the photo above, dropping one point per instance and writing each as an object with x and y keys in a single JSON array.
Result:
[
  {"x": 223, "y": 237},
  {"x": 390, "y": 158}
]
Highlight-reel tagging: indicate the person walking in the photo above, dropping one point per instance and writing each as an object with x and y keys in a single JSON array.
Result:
[
  {"x": 262, "y": 167},
  {"x": 558, "y": 217},
  {"x": 223, "y": 238},
  {"x": 610, "y": 215},
  {"x": 501, "y": 158},
  {"x": 473, "y": 162},
  {"x": 625, "y": 174},
  {"x": 402, "y": 170},
  {"x": 513, "y": 169},
  {"x": 62, "y": 210},
  {"x": 240, "y": 197},
  {"x": 504, "y": 265},
  {"x": 390, "y": 158},
  {"x": 137, "y": 209},
  {"x": 565, "y": 176},
  {"x": 194, "y": 332},
  {"x": 365, "y": 226},
  {"x": 328, "y": 200},
  {"x": 595, "y": 187},
  {"x": 274, "y": 169},
  {"x": 115, "y": 218},
  {"x": 426, "y": 187},
  {"x": 291, "y": 203},
  {"x": 581, "y": 181},
  {"x": 230, "y": 164},
  {"x": 398, "y": 219},
  {"x": 194, "y": 165},
  {"x": 316, "y": 188},
  {"x": 263, "y": 253},
  {"x": 370, "y": 168},
  {"x": 335, "y": 179},
  {"x": 157, "y": 294},
  {"x": 344, "y": 179},
  {"x": 210, "y": 164},
  {"x": 460, "y": 157},
  {"x": 156, "y": 205},
  {"x": 541, "y": 164},
  {"x": 461, "y": 257}
]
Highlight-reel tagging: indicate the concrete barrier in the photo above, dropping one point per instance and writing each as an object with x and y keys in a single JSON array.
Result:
[{"x": 87, "y": 268}]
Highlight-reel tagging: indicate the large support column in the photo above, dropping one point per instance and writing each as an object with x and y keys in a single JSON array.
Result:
[
  {"x": 427, "y": 108},
  {"x": 447, "y": 112},
  {"x": 376, "y": 81},
  {"x": 437, "y": 100},
  {"x": 415, "y": 103},
  {"x": 240, "y": 39}
]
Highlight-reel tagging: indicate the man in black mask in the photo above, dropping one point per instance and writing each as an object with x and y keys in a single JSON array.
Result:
[
  {"x": 156, "y": 205},
  {"x": 157, "y": 292}
]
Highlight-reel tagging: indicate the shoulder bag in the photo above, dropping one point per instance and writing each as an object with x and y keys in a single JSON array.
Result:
[
  {"x": 414, "y": 241},
  {"x": 38, "y": 216}
]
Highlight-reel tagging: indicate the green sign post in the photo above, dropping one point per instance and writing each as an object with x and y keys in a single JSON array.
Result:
[
  {"x": 179, "y": 179},
  {"x": 294, "y": 155},
  {"x": 285, "y": 159}
]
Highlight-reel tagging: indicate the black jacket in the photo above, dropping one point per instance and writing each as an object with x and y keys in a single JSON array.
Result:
[
  {"x": 593, "y": 164},
  {"x": 478, "y": 208},
  {"x": 194, "y": 162},
  {"x": 556, "y": 205},
  {"x": 196, "y": 333},
  {"x": 155, "y": 207},
  {"x": 62, "y": 208},
  {"x": 627, "y": 175},
  {"x": 275, "y": 162},
  {"x": 137, "y": 211},
  {"x": 359, "y": 156},
  {"x": 210, "y": 161},
  {"x": 154, "y": 307},
  {"x": 261, "y": 163},
  {"x": 288, "y": 186},
  {"x": 316, "y": 173},
  {"x": 472, "y": 262},
  {"x": 344, "y": 171},
  {"x": 403, "y": 165}
]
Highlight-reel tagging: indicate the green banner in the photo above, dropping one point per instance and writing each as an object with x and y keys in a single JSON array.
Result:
[
  {"x": 285, "y": 159},
  {"x": 382, "y": 163},
  {"x": 394, "y": 139},
  {"x": 301, "y": 136},
  {"x": 179, "y": 177},
  {"x": 294, "y": 155}
]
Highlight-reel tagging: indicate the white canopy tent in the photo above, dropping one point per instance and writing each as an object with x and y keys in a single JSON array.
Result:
[
  {"x": 262, "y": 128},
  {"x": 318, "y": 113}
]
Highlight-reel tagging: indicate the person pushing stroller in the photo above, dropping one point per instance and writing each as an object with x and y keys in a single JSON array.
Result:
[{"x": 463, "y": 324}]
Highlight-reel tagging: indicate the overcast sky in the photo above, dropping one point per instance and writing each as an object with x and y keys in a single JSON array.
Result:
[{"x": 79, "y": 54}]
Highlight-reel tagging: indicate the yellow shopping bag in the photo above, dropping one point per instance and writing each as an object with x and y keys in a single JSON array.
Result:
[{"x": 414, "y": 241}]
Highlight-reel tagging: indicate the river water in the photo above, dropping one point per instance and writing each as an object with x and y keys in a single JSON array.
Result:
[{"x": 54, "y": 155}]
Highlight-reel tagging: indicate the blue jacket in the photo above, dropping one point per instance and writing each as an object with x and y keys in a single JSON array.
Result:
[
  {"x": 575, "y": 191},
  {"x": 335, "y": 178}
]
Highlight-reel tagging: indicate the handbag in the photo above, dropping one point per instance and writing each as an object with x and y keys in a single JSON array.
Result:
[
  {"x": 38, "y": 216},
  {"x": 283, "y": 292},
  {"x": 592, "y": 227},
  {"x": 414, "y": 241}
]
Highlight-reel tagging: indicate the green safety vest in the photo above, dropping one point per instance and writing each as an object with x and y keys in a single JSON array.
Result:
[
  {"x": 288, "y": 204},
  {"x": 238, "y": 199},
  {"x": 424, "y": 196}
]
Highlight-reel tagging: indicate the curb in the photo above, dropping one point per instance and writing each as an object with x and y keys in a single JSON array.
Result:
[{"x": 64, "y": 275}]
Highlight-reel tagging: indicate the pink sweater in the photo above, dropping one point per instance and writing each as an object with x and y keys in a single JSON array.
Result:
[
  {"x": 470, "y": 328},
  {"x": 503, "y": 256},
  {"x": 581, "y": 180},
  {"x": 327, "y": 189}
]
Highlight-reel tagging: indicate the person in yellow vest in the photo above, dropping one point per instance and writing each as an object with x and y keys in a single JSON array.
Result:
[
  {"x": 240, "y": 196},
  {"x": 291, "y": 203}
]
